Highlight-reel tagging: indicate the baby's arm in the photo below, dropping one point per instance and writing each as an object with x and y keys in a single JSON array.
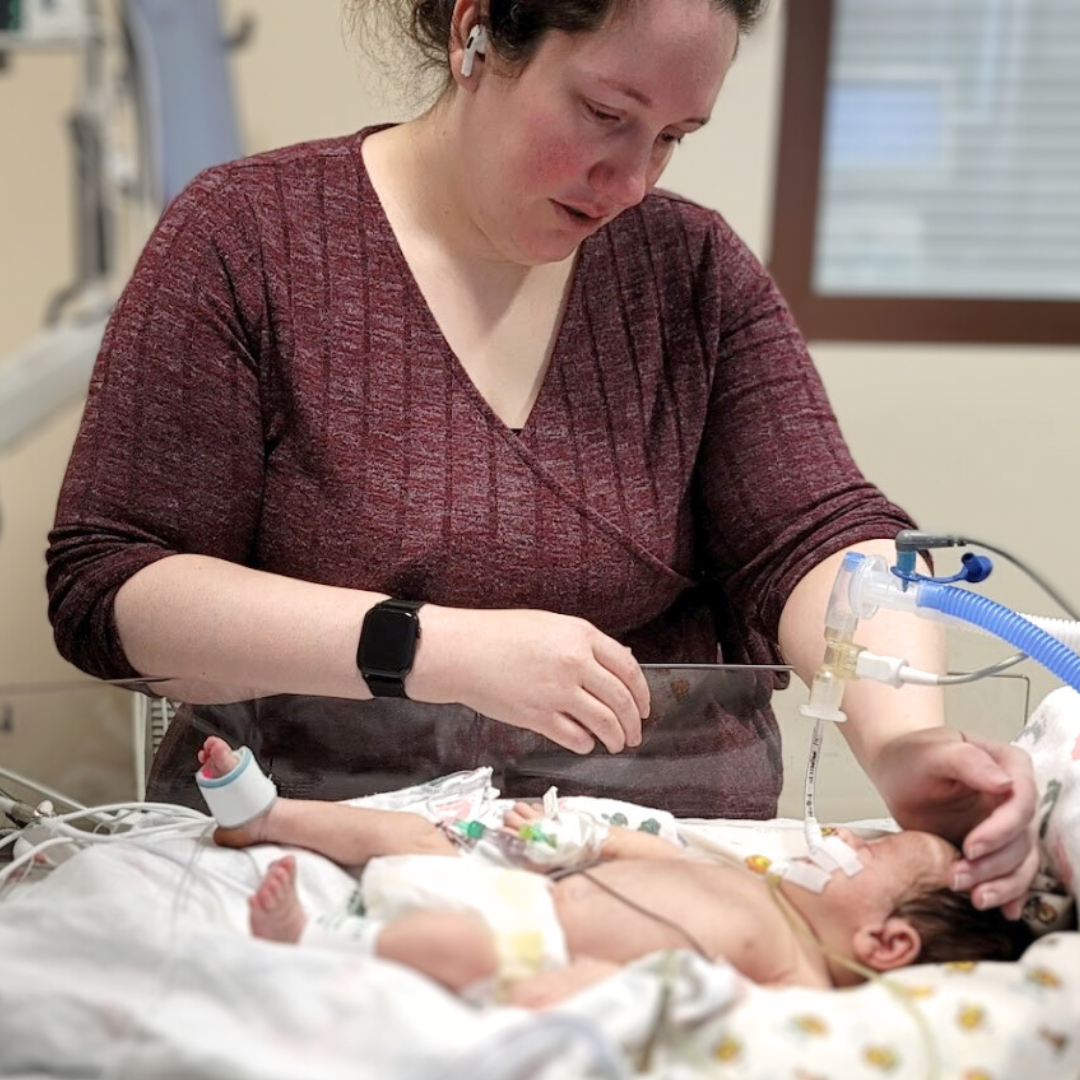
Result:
[
  {"x": 634, "y": 844},
  {"x": 620, "y": 843}
]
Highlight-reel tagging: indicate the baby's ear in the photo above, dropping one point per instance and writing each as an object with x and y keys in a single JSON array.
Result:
[{"x": 893, "y": 944}]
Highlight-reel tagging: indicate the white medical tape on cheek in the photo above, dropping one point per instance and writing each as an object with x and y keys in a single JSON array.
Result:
[
  {"x": 821, "y": 857},
  {"x": 841, "y": 853},
  {"x": 803, "y": 874}
]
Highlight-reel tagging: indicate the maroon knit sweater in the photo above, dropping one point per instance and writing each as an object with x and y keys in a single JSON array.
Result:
[{"x": 273, "y": 390}]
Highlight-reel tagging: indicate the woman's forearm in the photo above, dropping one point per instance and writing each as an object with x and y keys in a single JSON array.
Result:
[
  {"x": 222, "y": 632},
  {"x": 226, "y": 632},
  {"x": 876, "y": 713}
]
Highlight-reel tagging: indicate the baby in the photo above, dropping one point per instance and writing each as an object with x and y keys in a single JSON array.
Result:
[{"x": 466, "y": 924}]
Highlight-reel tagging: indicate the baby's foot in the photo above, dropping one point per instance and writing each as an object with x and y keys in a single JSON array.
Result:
[
  {"x": 217, "y": 758},
  {"x": 276, "y": 914}
]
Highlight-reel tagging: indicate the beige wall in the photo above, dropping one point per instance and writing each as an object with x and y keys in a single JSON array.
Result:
[{"x": 982, "y": 440}]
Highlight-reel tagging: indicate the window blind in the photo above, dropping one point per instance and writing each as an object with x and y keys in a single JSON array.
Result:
[{"x": 951, "y": 150}]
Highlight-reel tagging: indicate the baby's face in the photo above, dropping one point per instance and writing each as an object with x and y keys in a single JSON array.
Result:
[{"x": 895, "y": 867}]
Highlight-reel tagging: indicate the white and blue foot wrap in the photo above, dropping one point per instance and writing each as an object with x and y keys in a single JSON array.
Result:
[{"x": 244, "y": 793}]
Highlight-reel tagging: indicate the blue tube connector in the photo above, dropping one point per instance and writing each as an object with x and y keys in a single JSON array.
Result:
[{"x": 1000, "y": 621}]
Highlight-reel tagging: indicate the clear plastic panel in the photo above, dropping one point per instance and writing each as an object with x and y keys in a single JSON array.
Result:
[{"x": 711, "y": 747}]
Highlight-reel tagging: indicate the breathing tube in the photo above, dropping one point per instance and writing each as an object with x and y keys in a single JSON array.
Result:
[
  {"x": 1000, "y": 621},
  {"x": 866, "y": 583},
  {"x": 869, "y": 584}
]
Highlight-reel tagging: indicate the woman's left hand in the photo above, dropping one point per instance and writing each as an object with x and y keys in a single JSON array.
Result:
[{"x": 980, "y": 794}]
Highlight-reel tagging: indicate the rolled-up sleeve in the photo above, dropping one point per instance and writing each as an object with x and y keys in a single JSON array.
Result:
[
  {"x": 777, "y": 485},
  {"x": 169, "y": 455}
]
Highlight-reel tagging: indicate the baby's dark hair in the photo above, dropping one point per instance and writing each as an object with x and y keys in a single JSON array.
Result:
[
  {"x": 515, "y": 27},
  {"x": 953, "y": 929}
]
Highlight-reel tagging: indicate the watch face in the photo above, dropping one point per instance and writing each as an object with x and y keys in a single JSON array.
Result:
[{"x": 389, "y": 642}]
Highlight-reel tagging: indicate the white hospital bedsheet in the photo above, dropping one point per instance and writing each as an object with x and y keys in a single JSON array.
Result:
[{"x": 103, "y": 973}]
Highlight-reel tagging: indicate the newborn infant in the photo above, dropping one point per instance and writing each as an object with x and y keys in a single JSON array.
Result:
[{"x": 542, "y": 937}]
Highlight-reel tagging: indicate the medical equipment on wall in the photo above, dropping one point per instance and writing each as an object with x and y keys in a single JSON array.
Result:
[
  {"x": 866, "y": 583},
  {"x": 143, "y": 61},
  {"x": 43, "y": 24}
]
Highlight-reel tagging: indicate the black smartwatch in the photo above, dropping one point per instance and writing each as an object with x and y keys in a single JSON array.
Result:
[{"x": 388, "y": 646}]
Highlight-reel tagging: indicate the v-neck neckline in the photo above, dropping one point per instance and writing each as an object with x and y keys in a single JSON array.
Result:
[{"x": 569, "y": 304}]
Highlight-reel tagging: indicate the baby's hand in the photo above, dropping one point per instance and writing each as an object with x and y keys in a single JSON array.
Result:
[
  {"x": 560, "y": 839},
  {"x": 522, "y": 813}
]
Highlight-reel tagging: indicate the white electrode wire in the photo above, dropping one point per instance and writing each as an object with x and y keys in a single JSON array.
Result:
[
  {"x": 67, "y": 834},
  {"x": 129, "y": 808},
  {"x": 915, "y": 677},
  {"x": 11, "y": 838},
  {"x": 896, "y": 671},
  {"x": 63, "y": 829},
  {"x": 982, "y": 673},
  {"x": 811, "y": 828},
  {"x": 100, "y": 813}
]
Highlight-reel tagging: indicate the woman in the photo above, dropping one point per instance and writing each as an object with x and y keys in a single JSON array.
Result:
[{"x": 474, "y": 362}]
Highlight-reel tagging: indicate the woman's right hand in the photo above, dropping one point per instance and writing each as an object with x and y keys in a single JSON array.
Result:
[{"x": 553, "y": 674}]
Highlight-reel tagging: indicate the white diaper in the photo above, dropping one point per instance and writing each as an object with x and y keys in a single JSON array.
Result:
[{"x": 516, "y": 905}]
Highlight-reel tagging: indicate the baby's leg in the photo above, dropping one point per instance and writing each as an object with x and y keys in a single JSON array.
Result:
[
  {"x": 349, "y": 835},
  {"x": 275, "y": 911},
  {"x": 454, "y": 948}
]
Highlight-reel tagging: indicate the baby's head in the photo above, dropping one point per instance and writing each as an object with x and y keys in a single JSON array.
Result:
[
  {"x": 900, "y": 910},
  {"x": 951, "y": 929}
]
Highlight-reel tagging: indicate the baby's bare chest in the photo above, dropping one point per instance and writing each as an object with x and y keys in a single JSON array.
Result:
[{"x": 626, "y": 909}]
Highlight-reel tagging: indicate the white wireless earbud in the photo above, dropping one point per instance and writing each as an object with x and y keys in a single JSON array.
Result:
[{"x": 475, "y": 45}]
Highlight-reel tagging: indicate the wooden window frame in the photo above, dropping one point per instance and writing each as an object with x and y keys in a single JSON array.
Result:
[{"x": 868, "y": 318}]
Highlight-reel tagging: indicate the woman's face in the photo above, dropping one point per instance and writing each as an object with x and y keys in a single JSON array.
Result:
[{"x": 584, "y": 129}]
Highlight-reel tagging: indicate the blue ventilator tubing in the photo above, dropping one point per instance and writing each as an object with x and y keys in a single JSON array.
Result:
[{"x": 996, "y": 619}]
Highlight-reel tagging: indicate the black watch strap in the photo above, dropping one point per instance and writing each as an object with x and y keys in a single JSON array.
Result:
[
  {"x": 382, "y": 683},
  {"x": 382, "y": 687},
  {"x": 401, "y": 605}
]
